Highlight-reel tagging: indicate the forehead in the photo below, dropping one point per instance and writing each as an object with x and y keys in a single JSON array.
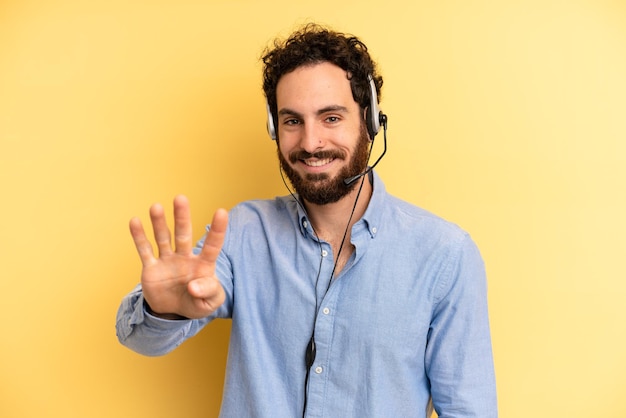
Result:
[{"x": 315, "y": 86}]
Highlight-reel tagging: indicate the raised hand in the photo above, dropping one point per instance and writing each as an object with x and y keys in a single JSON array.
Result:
[{"x": 177, "y": 282}]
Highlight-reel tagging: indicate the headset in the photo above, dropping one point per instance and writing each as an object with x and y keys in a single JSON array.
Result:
[{"x": 373, "y": 118}]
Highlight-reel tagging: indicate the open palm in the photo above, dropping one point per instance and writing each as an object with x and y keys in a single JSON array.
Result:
[{"x": 178, "y": 283}]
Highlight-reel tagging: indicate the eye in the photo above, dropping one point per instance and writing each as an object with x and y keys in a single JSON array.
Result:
[
  {"x": 332, "y": 119},
  {"x": 291, "y": 122}
]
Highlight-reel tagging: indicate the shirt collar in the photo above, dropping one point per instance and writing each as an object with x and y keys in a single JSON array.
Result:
[
  {"x": 373, "y": 214},
  {"x": 371, "y": 218}
]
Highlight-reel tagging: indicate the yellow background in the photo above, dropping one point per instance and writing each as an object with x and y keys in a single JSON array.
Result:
[{"x": 506, "y": 117}]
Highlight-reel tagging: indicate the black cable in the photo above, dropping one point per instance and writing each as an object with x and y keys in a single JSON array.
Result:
[{"x": 311, "y": 351}]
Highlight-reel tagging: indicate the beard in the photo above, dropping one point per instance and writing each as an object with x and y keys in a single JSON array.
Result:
[{"x": 321, "y": 189}]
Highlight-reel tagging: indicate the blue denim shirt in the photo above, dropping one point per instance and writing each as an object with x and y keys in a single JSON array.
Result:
[{"x": 402, "y": 328}]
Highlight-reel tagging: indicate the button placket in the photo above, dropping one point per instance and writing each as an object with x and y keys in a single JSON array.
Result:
[{"x": 324, "y": 328}]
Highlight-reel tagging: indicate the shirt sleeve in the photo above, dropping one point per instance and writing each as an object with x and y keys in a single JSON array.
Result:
[
  {"x": 459, "y": 359},
  {"x": 147, "y": 334}
]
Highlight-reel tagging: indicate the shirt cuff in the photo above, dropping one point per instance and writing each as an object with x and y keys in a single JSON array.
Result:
[{"x": 133, "y": 312}]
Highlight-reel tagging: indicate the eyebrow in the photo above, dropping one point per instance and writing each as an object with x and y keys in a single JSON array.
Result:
[{"x": 332, "y": 108}]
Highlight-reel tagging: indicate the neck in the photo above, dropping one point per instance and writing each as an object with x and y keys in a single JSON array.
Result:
[{"x": 330, "y": 220}]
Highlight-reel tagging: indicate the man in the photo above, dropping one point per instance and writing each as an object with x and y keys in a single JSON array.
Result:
[{"x": 345, "y": 301}]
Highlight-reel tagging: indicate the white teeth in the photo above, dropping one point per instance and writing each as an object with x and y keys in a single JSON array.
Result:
[{"x": 317, "y": 163}]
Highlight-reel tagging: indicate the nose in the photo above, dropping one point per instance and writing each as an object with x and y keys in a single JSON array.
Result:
[{"x": 312, "y": 137}]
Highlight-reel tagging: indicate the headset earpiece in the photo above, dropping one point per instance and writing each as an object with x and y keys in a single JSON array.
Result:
[
  {"x": 271, "y": 129},
  {"x": 374, "y": 116}
]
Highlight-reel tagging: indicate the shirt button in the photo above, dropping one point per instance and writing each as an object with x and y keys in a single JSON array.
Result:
[
  {"x": 319, "y": 369},
  {"x": 326, "y": 311},
  {"x": 324, "y": 253},
  {"x": 374, "y": 230},
  {"x": 305, "y": 224}
]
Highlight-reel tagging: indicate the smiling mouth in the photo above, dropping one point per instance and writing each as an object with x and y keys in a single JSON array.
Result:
[
  {"x": 317, "y": 163},
  {"x": 315, "y": 159}
]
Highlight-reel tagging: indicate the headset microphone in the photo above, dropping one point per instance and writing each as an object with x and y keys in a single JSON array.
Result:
[
  {"x": 383, "y": 122},
  {"x": 374, "y": 119}
]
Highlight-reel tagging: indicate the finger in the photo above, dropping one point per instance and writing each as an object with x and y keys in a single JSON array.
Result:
[
  {"x": 208, "y": 293},
  {"x": 144, "y": 248},
  {"x": 182, "y": 225},
  {"x": 205, "y": 288},
  {"x": 162, "y": 234},
  {"x": 215, "y": 237}
]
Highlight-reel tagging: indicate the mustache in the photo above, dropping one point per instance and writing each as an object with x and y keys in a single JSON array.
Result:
[{"x": 303, "y": 155}]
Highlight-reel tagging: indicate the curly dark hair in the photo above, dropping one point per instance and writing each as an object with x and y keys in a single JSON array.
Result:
[{"x": 313, "y": 44}]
